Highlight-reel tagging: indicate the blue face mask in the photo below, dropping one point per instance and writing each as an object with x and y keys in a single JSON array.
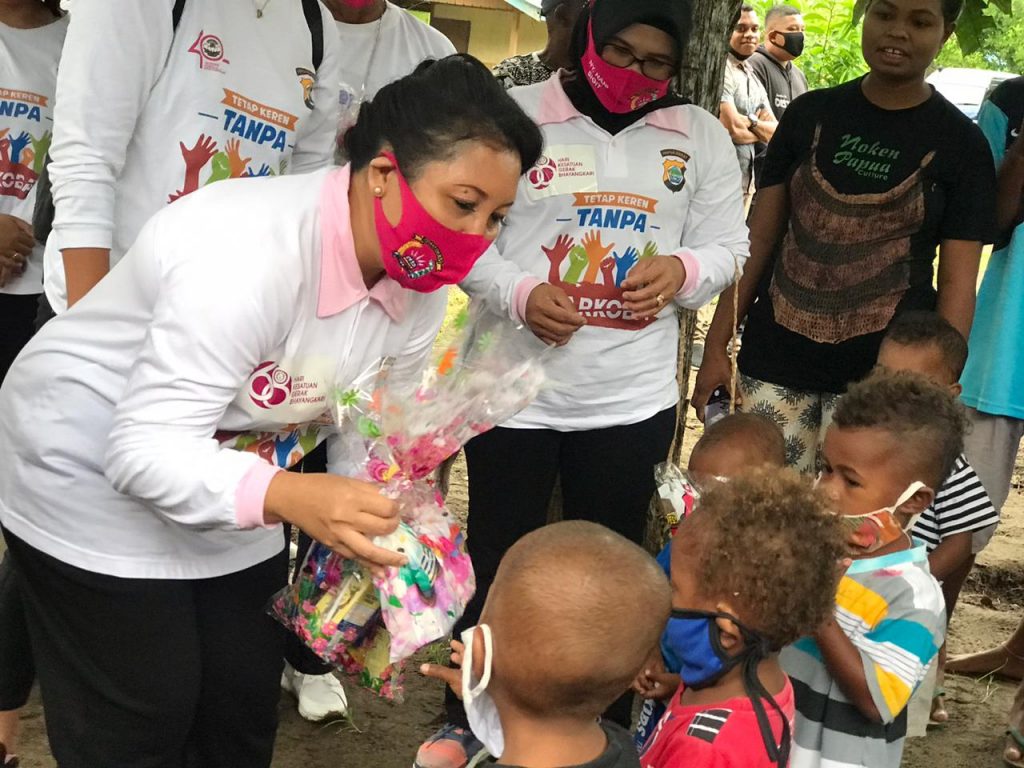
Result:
[{"x": 692, "y": 646}]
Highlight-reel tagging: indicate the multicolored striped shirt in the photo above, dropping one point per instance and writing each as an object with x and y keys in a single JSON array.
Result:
[{"x": 892, "y": 609}]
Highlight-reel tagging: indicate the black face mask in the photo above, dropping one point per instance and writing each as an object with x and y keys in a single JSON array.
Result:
[
  {"x": 794, "y": 43},
  {"x": 740, "y": 56}
]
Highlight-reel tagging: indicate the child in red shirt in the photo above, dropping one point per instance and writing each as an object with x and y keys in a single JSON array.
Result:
[{"x": 753, "y": 569}]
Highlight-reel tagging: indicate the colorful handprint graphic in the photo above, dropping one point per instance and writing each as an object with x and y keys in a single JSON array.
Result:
[
  {"x": 236, "y": 163},
  {"x": 195, "y": 159},
  {"x": 596, "y": 251},
  {"x": 18, "y": 144},
  {"x": 264, "y": 170},
  {"x": 578, "y": 262},
  {"x": 624, "y": 263},
  {"x": 40, "y": 147},
  {"x": 21, "y": 160},
  {"x": 556, "y": 255}
]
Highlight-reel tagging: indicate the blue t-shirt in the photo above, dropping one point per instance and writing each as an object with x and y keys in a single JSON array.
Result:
[{"x": 994, "y": 378}]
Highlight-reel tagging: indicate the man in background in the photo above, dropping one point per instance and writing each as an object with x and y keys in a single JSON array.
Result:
[
  {"x": 380, "y": 43},
  {"x": 744, "y": 110},
  {"x": 772, "y": 63},
  {"x": 527, "y": 69},
  {"x": 773, "y": 66}
]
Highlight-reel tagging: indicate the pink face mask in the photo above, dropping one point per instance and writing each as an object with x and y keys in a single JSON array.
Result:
[
  {"x": 619, "y": 89},
  {"x": 419, "y": 253}
]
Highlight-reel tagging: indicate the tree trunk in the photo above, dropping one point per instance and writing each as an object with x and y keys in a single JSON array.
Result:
[
  {"x": 701, "y": 80},
  {"x": 704, "y": 63}
]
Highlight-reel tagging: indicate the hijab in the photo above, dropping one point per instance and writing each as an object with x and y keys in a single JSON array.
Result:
[{"x": 609, "y": 18}]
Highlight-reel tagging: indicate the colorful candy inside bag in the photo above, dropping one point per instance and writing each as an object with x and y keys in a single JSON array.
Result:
[
  {"x": 332, "y": 606},
  {"x": 399, "y": 435}
]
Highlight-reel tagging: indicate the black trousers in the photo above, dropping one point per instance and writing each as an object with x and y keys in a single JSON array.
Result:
[
  {"x": 17, "y": 669},
  {"x": 607, "y": 477},
  {"x": 17, "y": 672},
  {"x": 154, "y": 673},
  {"x": 18, "y": 321}
]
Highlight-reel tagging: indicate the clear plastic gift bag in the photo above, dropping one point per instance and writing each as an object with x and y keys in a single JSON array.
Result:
[
  {"x": 678, "y": 493},
  {"x": 483, "y": 377},
  {"x": 676, "y": 498}
]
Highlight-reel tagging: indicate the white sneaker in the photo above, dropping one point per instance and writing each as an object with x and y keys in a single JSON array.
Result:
[{"x": 320, "y": 697}]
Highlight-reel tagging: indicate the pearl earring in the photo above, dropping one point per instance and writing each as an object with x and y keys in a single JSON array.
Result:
[{"x": 378, "y": 192}]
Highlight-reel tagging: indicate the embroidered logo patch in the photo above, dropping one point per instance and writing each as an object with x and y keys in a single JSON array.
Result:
[
  {"x": 269, "y": 386},
  {"x": 673, "y": 163},
  {"x": 708, "y": 724},
  {"x": 543, "y": 173},
  {"x": 307, "y": 79},
  {"x": 210, "y": 51},
  {"x": 419, "y": 257}
]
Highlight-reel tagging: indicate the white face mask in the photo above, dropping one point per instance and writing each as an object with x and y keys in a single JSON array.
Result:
[
  {"x": 481, "y": 711},
  {"x": 881, "y": 527}
]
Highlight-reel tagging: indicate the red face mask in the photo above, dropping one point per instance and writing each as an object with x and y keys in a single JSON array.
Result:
[
  {"x": 419, "y": 253},
  {"x": 619, "y": 89}
]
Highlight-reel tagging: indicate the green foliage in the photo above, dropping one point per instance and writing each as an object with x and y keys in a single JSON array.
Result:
[
  {"x": 987, "y": 37},
  {"x": 832, "y": 53},
  {"x": 1000, "y": 44},
  {"x": 978, "y": 19}
]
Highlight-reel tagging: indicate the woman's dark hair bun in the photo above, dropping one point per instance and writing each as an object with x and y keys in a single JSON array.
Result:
[{"x": 423, "y": 117}]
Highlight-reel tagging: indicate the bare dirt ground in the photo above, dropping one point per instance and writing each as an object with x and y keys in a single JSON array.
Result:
[
  {"x": 386, "y": 735},
  {"x": 383, "y": 735}
]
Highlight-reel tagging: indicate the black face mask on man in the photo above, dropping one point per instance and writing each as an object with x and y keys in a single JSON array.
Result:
[{"x": 793, "y": 42}]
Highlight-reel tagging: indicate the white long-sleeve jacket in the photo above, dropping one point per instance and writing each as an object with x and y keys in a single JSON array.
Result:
[
  {"x": 146, "y": 114},
  {"x": 592, "y": 207},
  {"x": 236, "y": 311}
]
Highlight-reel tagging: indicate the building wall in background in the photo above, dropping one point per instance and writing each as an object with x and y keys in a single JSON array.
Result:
[
  {"x": 494, "y": 35},
  {"x": 533, "y": 35}
]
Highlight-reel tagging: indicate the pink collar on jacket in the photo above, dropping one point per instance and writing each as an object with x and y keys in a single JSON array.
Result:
[{"x": 341, "y": 280}]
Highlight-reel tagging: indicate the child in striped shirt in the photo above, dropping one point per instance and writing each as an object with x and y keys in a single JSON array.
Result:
[
  {"x": 894, "y": 437},
  {"x": 961, "y": 520}
]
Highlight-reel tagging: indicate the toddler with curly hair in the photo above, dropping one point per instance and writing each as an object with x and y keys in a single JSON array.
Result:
[{"x": 754, "y": 567}]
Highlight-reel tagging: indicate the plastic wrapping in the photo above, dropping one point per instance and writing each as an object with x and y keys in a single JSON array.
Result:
[
  {"x": 676, "y": 498},
  {"x": 402, "y": 435}
]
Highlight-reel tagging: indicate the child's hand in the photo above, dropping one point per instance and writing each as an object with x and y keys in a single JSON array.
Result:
[
  {"x": 450, "y": 675},
  {"x": 654, "y": 682}
]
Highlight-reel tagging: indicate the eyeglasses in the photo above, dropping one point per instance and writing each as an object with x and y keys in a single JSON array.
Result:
[{"x": 656, "y": 69}]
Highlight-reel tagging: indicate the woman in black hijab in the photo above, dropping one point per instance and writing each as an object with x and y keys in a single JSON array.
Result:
[{"x": 633, "y": 212}]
